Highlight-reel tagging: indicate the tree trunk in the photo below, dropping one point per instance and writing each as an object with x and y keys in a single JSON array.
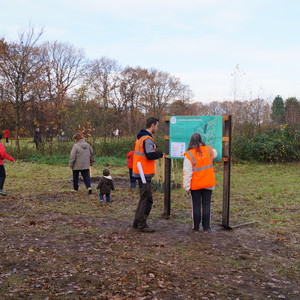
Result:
[{"x": 17, "y": 128}]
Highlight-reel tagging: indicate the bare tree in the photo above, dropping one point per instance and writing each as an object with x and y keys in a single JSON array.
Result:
[
  {"x": 128, "y": 94},
  {"x": 64, "y": 65},
  {"x": 102, "y": 77},
  {"x": 161, "y": 89},
  {"x": 259, "y": 115},
  {"x": 20, "y": 68},
  {"x": 237, "y": 82},
  {"x": 292, "y": 111}
]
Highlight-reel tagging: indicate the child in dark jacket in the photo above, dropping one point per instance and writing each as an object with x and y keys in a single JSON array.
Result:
[{"x": 105, "y": 185}]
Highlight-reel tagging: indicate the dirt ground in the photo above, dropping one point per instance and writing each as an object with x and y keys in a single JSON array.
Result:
[{"x": 66, "y": 246}]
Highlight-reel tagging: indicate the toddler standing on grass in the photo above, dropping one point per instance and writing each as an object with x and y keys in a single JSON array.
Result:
[{"x": 105, "y": 185}]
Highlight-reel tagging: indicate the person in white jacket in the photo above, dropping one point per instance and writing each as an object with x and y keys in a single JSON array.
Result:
[{"x": 199, "y": 180}]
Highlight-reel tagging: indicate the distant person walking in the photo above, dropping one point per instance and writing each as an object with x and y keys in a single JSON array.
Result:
[
  {"x": 6, "y": 135},
  {"x": 79, "y": 162},
  {"x": 144, "y": 158},
  {"x": 3, "y": 155},
  {"x": 105, "y": 185},
  {"x": 129, "y": 156},
  {"x": 37, "y": 139},
  {"x": 199, "y": 179}
]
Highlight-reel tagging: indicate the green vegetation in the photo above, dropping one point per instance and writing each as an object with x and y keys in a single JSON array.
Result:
[
  {"x": 273, "y": 146},
  {"x": 264, "y": 193},
  {"x": 276, "y": 145},
  {"x": 59, "y": 245},
  {"x": 277, "y": 110},
  {"x": 106, "y": 152}
]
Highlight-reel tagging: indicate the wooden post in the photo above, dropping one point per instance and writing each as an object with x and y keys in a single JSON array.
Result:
[
  {"x": 157, "y": 171},
  {"x": 163, "y": 169},
  {"x": 226, "y": 170},
  {"x": 167, "y": 181},
  {"x": 173, "y": 170}
]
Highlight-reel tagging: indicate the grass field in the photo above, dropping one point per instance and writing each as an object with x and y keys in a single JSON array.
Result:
[{"x": 58, "y": 245}]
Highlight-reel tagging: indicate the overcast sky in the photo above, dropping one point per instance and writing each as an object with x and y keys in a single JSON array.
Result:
[{"x": 216, "y": 47}]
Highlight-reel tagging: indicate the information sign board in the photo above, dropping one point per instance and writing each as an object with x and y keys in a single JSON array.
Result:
[{"x": 182, "y": 127}]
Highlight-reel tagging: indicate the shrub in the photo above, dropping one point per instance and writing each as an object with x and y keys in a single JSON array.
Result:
[
  {"x": 119, "y": 147},
  {"x": 276, "y": 145},
  {"x": 58, "y": 152},
  {"x": 114, "y": 147}
]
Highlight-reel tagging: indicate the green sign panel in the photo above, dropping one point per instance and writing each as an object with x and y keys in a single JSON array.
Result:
[{"x": 182, "y": 127}]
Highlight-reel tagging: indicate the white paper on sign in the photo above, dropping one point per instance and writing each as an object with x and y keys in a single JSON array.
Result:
[
  {"x": 140, "y": 168},
  {"x": 177, "y": 149}
]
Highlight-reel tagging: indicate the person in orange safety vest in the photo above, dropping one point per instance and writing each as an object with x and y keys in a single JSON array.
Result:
[
  {"x": 199, "y": 179},
  {"x": 145, "y": 154}
]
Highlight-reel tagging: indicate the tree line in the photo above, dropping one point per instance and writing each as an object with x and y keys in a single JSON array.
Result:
[{"x": 53, "y": 86}]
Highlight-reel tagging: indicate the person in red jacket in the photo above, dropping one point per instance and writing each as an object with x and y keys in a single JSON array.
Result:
[
  {"x": 6, "y": 135},
  {"x": 3, "y": 155},
  {"x": 129, "y": 156}
]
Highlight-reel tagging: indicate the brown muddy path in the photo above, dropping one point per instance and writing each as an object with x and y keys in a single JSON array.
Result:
[{"x": 57, "y": 246}]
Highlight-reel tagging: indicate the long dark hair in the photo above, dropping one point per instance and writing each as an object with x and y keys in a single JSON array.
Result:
[{"x": 196, "y": 142}]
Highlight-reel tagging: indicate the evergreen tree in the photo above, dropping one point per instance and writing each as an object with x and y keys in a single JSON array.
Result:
[{"x": 277, "y": 109}]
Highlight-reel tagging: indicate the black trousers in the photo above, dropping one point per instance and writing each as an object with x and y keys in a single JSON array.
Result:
[
  {"x": 2, "y": 176},
  {"x": 132, "y": 179},
  {"x": 201, "y": 208},
  {"x": 145, "y": 204},
  {"x": 86, "y": 178}
]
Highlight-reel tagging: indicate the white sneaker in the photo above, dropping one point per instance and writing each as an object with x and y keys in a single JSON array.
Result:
[
  {"x": 90, "y": 190},
  {"x": 74, "y": 191},
  {"x": 3, "y": 193}
]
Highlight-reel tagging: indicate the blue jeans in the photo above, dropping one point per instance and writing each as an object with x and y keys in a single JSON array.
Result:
[
  {"x": 107, "y": 196},
  {"x": 203, "y": 197},
  {"x": 86, "y": 178}
]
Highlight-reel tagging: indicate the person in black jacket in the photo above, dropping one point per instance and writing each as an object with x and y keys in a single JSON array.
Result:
[
  {"x": 105, "y": 185},
  {"x": 37, "y": 137}
]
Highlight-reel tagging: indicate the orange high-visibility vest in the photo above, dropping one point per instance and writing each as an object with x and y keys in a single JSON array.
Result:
[
  {"x": 139, "y": 156},
  {"x": 203, "y": 175}
]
